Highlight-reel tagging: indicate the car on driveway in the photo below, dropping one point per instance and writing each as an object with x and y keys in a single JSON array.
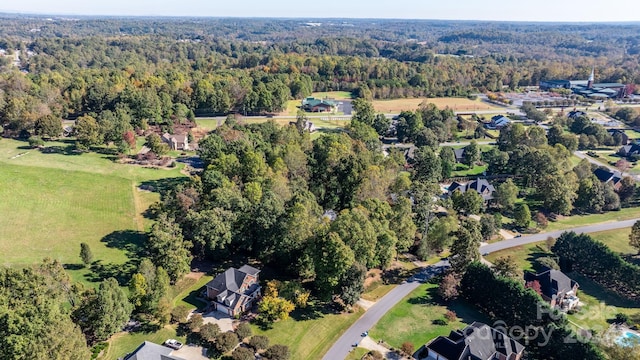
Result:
[{"x": 173, "y": 343}]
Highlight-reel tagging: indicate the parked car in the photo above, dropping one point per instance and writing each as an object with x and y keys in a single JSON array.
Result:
[{"x": 173, "y": 343}]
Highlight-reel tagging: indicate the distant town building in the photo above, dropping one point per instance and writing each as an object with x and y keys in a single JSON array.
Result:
[{"x": 587, "y": 88}]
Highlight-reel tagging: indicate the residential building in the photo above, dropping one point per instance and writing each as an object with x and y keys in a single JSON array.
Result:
[
  {"x": 608, "y": 176},
  {"x": 176, "y": 142},
  {"x": 459, "y": 154},
  {"x": 235, "y": 290},
  {"x": 498, "y": 122},
  {"x": 152, "y": 351},
  {"x": 477, "y": 341},
  {"x": 311, "y": 104},
  {"x": 556, "y": 288},
  {"x": 629, "y": 150},
  {"x": 481, "y": 186}
]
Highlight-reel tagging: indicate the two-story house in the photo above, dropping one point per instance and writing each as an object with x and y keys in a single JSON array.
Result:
[{"x": 235, "y": 290}]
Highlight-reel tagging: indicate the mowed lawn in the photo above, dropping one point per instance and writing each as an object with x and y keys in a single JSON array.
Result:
[
  {"x": 309, "y": 334},
  {"x": 53, "y": 202},
  {"x": 456, "y": 104},
  {"x": 412, "y": 319},
  {"x": 584, "y": 220},
  {"x": 599, "y": 304}
]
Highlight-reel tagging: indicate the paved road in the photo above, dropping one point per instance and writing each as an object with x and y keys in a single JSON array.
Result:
[
  {"x": 582, "y": 155},
  {"x": 353, "y": 335},
  {"x": 506, "y": 244}
]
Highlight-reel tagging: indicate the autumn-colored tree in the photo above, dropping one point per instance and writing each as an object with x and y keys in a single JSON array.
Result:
[
  {"x": 448, "y": 289},
  {"x": 535, "y": 285},
  {"x": 407, "y": 348},
  {"x": 541, "y": 220}
]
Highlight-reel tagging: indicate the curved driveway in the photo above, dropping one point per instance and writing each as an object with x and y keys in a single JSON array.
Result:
[{"x": 346, "y": 342}]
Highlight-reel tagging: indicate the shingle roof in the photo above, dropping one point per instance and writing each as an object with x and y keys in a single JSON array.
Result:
[
  {"x": 229, "y": 285},
  {"x": 552, "y": 282},
  {"x": 152, "y": 351},
  {"x": 481, "y": 186},
  {"x": 606, "y": 175},
  {"x": 477, "y": 341}
]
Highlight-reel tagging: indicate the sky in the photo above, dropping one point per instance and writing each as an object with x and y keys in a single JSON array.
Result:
[{"x": 505, "y": 10}]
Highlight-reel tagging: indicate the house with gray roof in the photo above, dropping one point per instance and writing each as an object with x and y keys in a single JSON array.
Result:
[
  {"x": 556, "y": 288},
  {"x": 481, "y": 186},
  {"x": 607, "y": 176},
  {"x": 498, "y": 122},
  {"x": 235, "y": 290},
  {"x": 176, "y": 142},
  {"x": 459, "y": 154},
  {"x": 477, "y": 341},
  {"x": 152, "y": 351},
  {"x": 629, "y": 150}
]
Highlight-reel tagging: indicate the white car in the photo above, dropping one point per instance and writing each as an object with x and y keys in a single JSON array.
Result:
[{"x": 173, "y": 343}]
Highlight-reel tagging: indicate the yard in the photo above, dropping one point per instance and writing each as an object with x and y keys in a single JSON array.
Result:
[
  {"x": 599, "y": 304},
  {"x": 457, "y": 104},
  {"x": 413, "y": 318},
  {"x": 583, "y": 220},
  {"x": 53, "y": 202},
  {"x": 309, "y": 333},
  {"x": 464, "y": 170}
]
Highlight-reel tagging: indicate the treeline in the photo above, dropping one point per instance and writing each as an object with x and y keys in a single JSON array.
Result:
[
  {"x": 545, "y": 333},
  {"x": 593, "y": 259}
]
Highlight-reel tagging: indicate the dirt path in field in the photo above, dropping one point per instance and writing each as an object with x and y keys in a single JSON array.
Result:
[{"x": 138, "y": 208}]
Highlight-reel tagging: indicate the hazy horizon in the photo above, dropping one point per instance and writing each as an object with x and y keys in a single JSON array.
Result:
[{"x": 587, "y": 11}]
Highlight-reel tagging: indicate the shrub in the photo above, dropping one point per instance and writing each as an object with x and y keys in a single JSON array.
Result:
[
  {"x": 209, "y": 331},
  {"x": 243, "y": 331},
  {"x": 441, "y": 322},
  {"x": 375, "y": 355},
  {"x": 277, "y": 352},
  {"x": 548, "y": 262},
  {"x": 226, "y": 341},
  {"x": 407, "y": 348},
  {"x": 35, "y": 141},
  {"x": 451, "y": 315},
  {"x": 195, "y": 322},
  {"x": 621, "y": 318},
  {"x": 243, "y": 353},
  {"x": 259, "y": 342},
  {"x": 179, "y": 314}
]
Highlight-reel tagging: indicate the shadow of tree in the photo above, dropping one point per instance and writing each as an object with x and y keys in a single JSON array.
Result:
[
  {"x": 59, "y": 149},
  {"x": 132, "y": 243},
  {"x": 161, "y": 186},
  {"x": 73, "y": 266}
]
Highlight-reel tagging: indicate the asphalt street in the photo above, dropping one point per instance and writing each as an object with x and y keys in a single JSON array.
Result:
[{"x": 353, "y": 335}]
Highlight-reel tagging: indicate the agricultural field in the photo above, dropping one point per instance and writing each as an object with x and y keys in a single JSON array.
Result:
[
  {"x": 457, "y": 104},
  {"x": 52, "y": 202}
]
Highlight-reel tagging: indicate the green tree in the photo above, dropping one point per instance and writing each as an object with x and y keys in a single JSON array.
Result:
[
  {"x": 352, "y": 284},
  {"x": 195, "y": 322},
  {"x": 209, "y": 331},
  {"x": 85, "y": 253},
  {"x": 590, "y": 195},
  {"x": 87, "y": 132},
  {"x": 507, "y": 267},
  {"x": 243, "y": 331},
  {"x": 48, "y": 126},
  {"x": 522, "y": 216},
  {"x": 259, "y": 342},
  {"x": 469, "y": 202},
  {"x": 471, "y": 153},
  {"x": 488, "y": 226},
  {"x": 155, "y": 144},
  {"x": 106, "y": 311},
  {"x": 226, "y": 341},
  {"x": 464, "y": 249},
  {"x": 427, "y": 165},
  {"x": 381, "y": 124},
  {"x": 138, "y": 289},
  {"x": 242, "y": 353},
  {"x": 506, "y": 195},
  {"x": 277, "y": 352},
  {"x": 634, "y": 236},
  {"x": 363, "y": 111},
  {"x": 402, "y": 224},
  {"x": 332, "y": 258},
  {"x": 168, "y": 247}
]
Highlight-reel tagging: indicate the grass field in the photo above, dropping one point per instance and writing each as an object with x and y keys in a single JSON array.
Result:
[
  {"x": 456, "y": 104},
  {"x": 583, "y": 220},
  {"x": 53, "y": 202},
  {"x": 123, "y": 343},
  {"x": 463, "y": 170},
  {"x": 309, "y": 333},
  {"x": 412, "y": 318},
  {"x": 357, "y": 354}
]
